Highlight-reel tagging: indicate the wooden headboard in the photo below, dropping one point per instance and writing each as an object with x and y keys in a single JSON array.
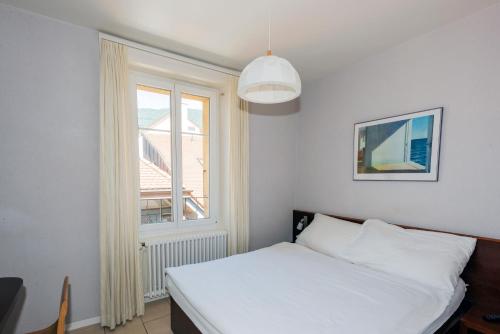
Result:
[{"x": 482, "y": 273}]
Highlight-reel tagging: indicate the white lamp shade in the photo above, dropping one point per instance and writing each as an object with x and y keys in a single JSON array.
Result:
[{"x": 269, "y": 79}]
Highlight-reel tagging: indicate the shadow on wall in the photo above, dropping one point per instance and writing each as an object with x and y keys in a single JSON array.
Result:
[{"x": 279, "y": 109}]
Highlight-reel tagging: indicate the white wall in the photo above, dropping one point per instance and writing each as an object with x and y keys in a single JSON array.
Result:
[
  {"x": 457, "y": 67},
  {"x": 272, "y": 172},
  {"x": 49, "y": 133}
]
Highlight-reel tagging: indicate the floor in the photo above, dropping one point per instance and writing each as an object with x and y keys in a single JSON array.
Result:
[{"x": 156, "y": 320}]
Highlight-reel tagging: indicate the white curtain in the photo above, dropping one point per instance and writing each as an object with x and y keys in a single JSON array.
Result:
[
  {"x": 238, "y": 172},
  {"x": 121, "y": 284}
]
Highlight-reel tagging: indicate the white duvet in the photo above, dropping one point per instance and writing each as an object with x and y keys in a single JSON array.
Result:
[{"x": 288, "y": 288}]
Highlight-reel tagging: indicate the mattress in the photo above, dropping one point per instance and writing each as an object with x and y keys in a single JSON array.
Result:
[
  {"x": 455, "y": 301},
  {"x": 288, "y": 288}
]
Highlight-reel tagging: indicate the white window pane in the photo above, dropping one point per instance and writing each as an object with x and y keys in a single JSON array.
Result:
[
  {"x": 155, "y": 155},
  {"x": 195, "y": 120}
]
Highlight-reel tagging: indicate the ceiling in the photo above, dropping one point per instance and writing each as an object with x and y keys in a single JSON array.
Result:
[{"x": 317, "y": 36}]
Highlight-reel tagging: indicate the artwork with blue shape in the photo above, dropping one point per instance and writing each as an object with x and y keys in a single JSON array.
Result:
[{"x": 398, "y": 145}]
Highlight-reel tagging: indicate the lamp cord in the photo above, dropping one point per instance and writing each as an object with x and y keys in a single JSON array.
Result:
[{"x": 269, "y": 31}]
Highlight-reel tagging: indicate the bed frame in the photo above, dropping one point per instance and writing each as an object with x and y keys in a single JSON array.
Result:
[{"x": 482, "y": 274}]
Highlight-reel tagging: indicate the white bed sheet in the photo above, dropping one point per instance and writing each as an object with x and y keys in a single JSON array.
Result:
[{"x": 288, "y": 288}]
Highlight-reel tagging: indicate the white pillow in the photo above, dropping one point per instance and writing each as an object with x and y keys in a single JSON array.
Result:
[
  {"x": 431, "y": 258},
  {"x": 328, "y": 235}
]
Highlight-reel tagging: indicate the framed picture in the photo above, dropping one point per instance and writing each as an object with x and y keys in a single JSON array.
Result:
[{"x": 403, "y": 147}]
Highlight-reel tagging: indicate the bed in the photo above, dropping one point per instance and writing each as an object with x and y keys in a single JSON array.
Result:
[{"x": 289, "y": 288}]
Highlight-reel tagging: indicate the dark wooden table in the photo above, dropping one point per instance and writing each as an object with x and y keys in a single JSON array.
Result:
[
  {"x": 10, "y": 288},
  {"x": 473, "y": 320}
]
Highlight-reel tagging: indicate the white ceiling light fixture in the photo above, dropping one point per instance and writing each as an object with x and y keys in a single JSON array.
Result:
[{"x": 269, "y": 79}]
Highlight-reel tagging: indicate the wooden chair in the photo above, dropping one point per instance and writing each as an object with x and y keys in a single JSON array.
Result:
[{"x": 58, "y": 326}]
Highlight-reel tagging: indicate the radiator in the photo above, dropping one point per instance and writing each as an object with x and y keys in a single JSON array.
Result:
[{"x": 177, "y": 251}]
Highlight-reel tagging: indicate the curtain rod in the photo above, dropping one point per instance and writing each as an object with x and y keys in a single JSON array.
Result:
[{"x": 167, "y": 54}]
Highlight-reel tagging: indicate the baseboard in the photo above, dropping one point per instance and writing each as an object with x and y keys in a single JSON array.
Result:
[
  {"x": 83, "y": 323},
  {"x": 149, "y": 300}
]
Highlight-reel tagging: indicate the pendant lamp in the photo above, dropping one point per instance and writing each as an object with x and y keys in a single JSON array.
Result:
[{"x": 269, "y": 79}]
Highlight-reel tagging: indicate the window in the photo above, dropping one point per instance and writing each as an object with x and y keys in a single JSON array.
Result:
[{"x": 177, "y": 152}]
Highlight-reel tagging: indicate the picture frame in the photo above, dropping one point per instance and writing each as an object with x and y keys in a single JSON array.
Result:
[{"x": 398, "y": 148}]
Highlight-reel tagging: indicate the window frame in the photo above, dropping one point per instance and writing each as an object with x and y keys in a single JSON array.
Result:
[{"x": 177, "y": 88}]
